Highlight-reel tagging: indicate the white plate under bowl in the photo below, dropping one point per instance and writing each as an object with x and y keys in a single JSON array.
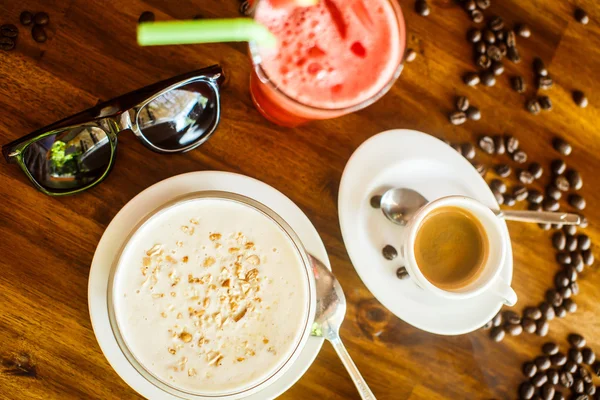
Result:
[
  {"x": 149, "y": 200},
  {"x": 415, "y": 160}
]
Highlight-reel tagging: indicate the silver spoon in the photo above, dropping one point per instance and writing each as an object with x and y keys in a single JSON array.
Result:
[
  {"x": 399, "y": 205},
  {"x": 331, "y": 309}
]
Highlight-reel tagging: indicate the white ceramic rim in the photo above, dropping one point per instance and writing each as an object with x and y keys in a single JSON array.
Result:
[{"x": 146, "y": 201}]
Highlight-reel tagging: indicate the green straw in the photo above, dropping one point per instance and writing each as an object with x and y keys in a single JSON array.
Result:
[{"x": 205, "y": 31}]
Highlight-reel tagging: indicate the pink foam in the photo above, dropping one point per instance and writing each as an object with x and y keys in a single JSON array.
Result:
[{"x": 336, "y": 54}]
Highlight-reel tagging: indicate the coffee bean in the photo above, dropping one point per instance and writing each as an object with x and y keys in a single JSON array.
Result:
[
  {"x": 471, "y": 79},
  {"x": 562, "y": 146},
  {"x": 146, "y": 16},
  {"x": 496, "y": 23},
  {"x": 519, "y": 156},
  {"x": 583, "y": 221},
  {"x": 457, "y": 118},
  {"x": 563, "y": 258},
  {"x": 566, "y": 294},
  {"x": 539, "y": 67},
  {"x": 577, "y": 201},
  {"x": 558, "y": 166},
  {"x": 536, "y": 170},
  {"x": 570, "y": 305},
  {"x": 498, "y": 319},
  {"x": 544, "y": 82},
  {"x": 509, "y": 200},
  {"x": 550, "y": 348},
  {"x": 410, "y": 55},
  {"x": 523, "y": 30},
  {"x": 574, "y": 179},
  {"x": 570, "y": 229},
  {"x": 498, "y": 185},
  {"x": 545, "y": 227},
  {"x": 481, "y": 169},
  {"x": 561, "y": 280},
  {"x": 389, "y": 252},
  {"x": 547, "y": 311},
  {"x": 497, "y": 68},
  {"x": 535, "y": 197},
  {"x": 583, "y": 242},
  {"x": 518, "y": 84},
  {"x": 500, "y": 36},
  {"x": 571, "y": 243},
  {"x": 7, "y": 43},
  {"x": 486, "y": 144},
  {"x": 494, "y": 53},
  {"x": 489, "y": 36},
  {"x": 488, "y": 325},
  {"x": 570, "y": 366},
  {"x": 539, "y": 379},
  {"x": 26, "y": 18},
  {"x": 545, "y": 103},
  {"x": 578, "y": 386},
  {"x": 584, "y": 374},
  {"x": 529, "y": 369},
  {"x": 588, "y": 257},
  {"x": 552, "y": 191},
  {"x": 548, "y": 391},
  {"x": 375, "y": 201},
  {"x": 566, "y": 379},
  {"x": 513, "y": 55},
  {"x": 462, "y": 103},
  {"x": 483, "y": 4},
  {"x": 559, "y": 240},
  {"x": 479, "y": 48},
  {"x": 511, "y": 39},
  {"x": 589, "y": 388},
  {"x": 588, "y": 355},
  {"x": 512, "y": 144},
  {"x": 580, "y": 99},
  {"x": 469, "y": 5},
  {"x": 498, "y": 196},
  {"x": 562, "y": 183},
  {"x": 514, "y": 329},
  {"x": 553, "y": 297},
  {"x": 468, "y": 151},
  {"x": 549, "y": 204},
  {"x": 497, "y": 334},
  {"x": 571, "y": 273},
  {"x": 541, "y": 327},
  {"x": 511, "y": 318},
  {"x": 482, "y": 60},
  {"x": 596, "y": 368},
  {"x": 488, "y": 78},
  {"x": 528, "y": 325},
  {"x": 575, "y": 355},
  {"x": 474, "y": 35},
  {"x": 41, "y": 18},
  {"x": 422, "y": 8},
  {"x": 577, "y": 261},
  {"x": 525, "y": 177},
  {"x": 560, "y": 311},
  {"x": 542, "y": 363},
  {"x": 533, "y": 106},
  {"x": 9, "y": 30},
  {"x": 526, "y": 390},
  {"x": 558, "y": 359},
  {"x": 402, "y": 273},
  {"x": 552, "y": 376},
  {"x": 581, "y": 16},
  {"x": 473, "y": 113},
  {"x": 38, "y": 34},
  {"x": 503, "y": 170},
  {"x": 520, "y": 192}
]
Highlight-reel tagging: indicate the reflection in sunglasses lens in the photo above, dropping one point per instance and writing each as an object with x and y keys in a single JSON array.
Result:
[
  {"x": 69, "y": 160},
  {"x": 180, "y": 117}
]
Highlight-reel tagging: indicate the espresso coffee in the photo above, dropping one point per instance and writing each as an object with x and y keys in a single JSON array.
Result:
[{"x": 451, "y": 248}]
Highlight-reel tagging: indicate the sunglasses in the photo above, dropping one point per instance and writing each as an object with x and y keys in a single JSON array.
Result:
[{"x": 78, "y": 152}]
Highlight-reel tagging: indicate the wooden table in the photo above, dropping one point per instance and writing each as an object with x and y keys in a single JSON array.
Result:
[{"x": 47, "y": 346}]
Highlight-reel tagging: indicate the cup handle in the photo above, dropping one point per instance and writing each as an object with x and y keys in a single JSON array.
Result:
[{"x": 504, "y": 291}]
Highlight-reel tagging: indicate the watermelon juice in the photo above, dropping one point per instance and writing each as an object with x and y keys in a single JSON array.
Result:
[{"x": 333, "y": 58}]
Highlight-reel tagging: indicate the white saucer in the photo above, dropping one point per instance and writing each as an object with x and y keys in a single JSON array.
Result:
[
  {"x": 410, "y": 159},
  {"x": 147, "y": 201}
]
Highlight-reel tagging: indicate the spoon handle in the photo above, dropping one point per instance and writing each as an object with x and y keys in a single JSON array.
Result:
[
  {"x": 544, "y": 217},
  {"x": 359, "y": 381}
]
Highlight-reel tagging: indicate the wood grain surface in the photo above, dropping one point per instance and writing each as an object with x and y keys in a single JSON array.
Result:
[{"x": 47, "y": 346}]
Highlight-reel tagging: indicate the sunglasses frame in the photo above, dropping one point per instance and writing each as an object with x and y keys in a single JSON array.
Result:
[{"x": 115, "y": 116}]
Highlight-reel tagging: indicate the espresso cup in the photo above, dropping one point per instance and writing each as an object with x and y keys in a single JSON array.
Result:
[{"x": 488, "y": 278}]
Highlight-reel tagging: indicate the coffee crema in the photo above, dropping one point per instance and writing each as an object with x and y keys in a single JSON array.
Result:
[{"x": 451, "y": 248}]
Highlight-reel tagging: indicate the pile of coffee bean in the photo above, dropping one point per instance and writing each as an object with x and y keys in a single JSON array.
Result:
[
  {"x": 553, "y": 372},
  {"x": 464, "y": 110}
]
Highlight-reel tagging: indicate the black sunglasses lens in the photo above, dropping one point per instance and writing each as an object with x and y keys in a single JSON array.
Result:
[
  {"x": 69, "y": 160},
  {"x": 180, "y": 117}
]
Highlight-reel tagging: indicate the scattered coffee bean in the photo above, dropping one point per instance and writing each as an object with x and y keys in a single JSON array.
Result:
[
  {"x": 545, "y": 227},
  {"x": 570, "y": 366},
  {"x": 497, "y": 68},
  {"x": 422, "y": 8},
  {"x": 584, "y": 221},
  {"x": 577, "y": 201},
  {"x": 503, "y": 170},
  {"x": 486, "y": 144},
  {"x": 560, "y": 311},
  {"x": 596, "y": 368},
  {"x": 578, "y": 386},
  {"x": 548, "y": 391},
  {"x": 468, "y": 151},
  {"x": 474, "y": 35},
  {"x": 481, "y": 169},
  {"x": 38, "y": 34},
  {"x": 471, "y": 79},
  {"x": 389, "y": 252},
  {"x": 512, "y": 144},
  {"x": 488, "y": 325},
  {"x": 525, "y": 177},
  {"x": 457, "y": 118},
  {"x": 588, "y": 257},
  {"x": 523, "y": 30},
  {"x": 497, "y": 334},
  {"x": 588, "y": 355},
  {"x": 533, "y": 106},
  {"x": 511, "y": 39},
  {"x": 536, "y": 170},
  {"x": 518, "y": 84},
  {"x": 511, "y": 318},
  {"x": 514, "y": 329},
  {"x": 519, "y": 156},
  {"x": 575, "y": 355},
  {"x": 539, "y": 379},
  {"x": 558, "y": 359},
  {"x": 542, "y": 327},
  {"x": 571, "y": 243},
  {"x": 549, "y": 204},
  {"x": 26, "y": 18},
  {"x": 410, "y": 55},
  {"x": 589, "y": 388},
  {"x": 375, "y": 201},
  {"x": 566, "y": 379},
  {"x": 563, "y": 258},
  {"x": 553, "y": 297},
  {"x": 559, "y": 240},
  {"x": 552, "y": 191},
  {"x": 494, "y": 53},
  {"x": 550, "y": 348},
  {"x": 544, "y": 82},
  {"x": 529, "y": 369},
  {"x": 473, "y": 113},
  {"x": 498, "y": 185},
  {"x": 566, "y": 294},
  {"x": 562, "y": 183},
  {"x": 574, "y": 179},
  {"x": 535, "y": 197},
  {"x": 542, "y": 363},
  {"x": 9, "y": 31},
  {"x": 526, "y": 390},
  {"x": 489, "y": 36},
  {"x": 528, "y": 325},
  {"x": 146, "y": 16},
  {"x": 41, "y": 18},
  {"x": 539, "y": 67},
  {"x": 457, "y": 147},
  {"x": 496, "y": 23},
  {"x": 545, "y": 103},
  {"x": 583, "y": 242},
  {"x": 500, "y": 36},
  {"x": 483, "y": 4},
  {"x": 462, "y": 103},
  {"x": 547, "y": 310},
  {"x": 498, "y": 319},
  {"x": 570, "y": 306},
  {"x": 570, "y": 229},
  {"x": 488, "y": 78},
  {"x": 561, "y": 280},
  {"x": 581, "y": 16},
  {"x": 402, "y": 273},
  {"x": 562, "y": 146},
  {"x": 577, "y": 261},
  {"x": 558, "y": 166},
  {"x": 469, "y": 5},
  {"x": 584, "y": 374},
  {"x": 513, "y": 55},
  {"x": 7, "y": 43},
  {"x": 509, "y": 200},
  {"x": 552, "y": 376},
  {"x": 580, "y": 99},
  {"x": 571, "y": 273},
  {"x": 498, "y": 196},
  {"x": 480, "y": 48},
  {"x": 520, "y": 192}
]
